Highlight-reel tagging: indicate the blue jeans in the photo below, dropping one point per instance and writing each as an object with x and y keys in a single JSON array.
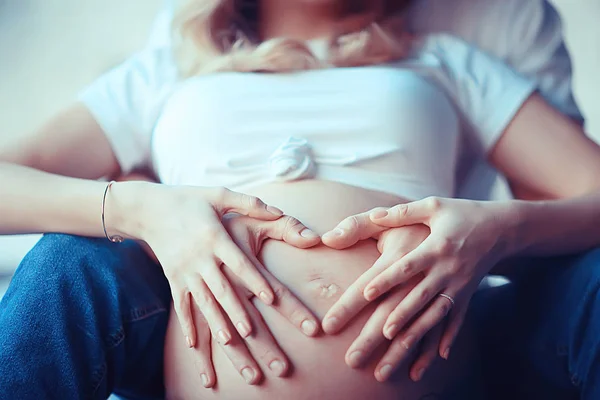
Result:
[
  {"x": 83, "y": 318},
  {"x": 541, "y": 333}
]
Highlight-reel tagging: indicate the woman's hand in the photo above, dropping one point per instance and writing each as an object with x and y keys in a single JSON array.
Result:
[
  {"x": 182, "y": 225},
  {"x": 260, "y": 347},
  {"x": 466, "y": 240},
  {"x": 393, "y": 244}
]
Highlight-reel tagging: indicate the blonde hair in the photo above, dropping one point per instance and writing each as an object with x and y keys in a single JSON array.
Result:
[{"x": 221, "y": 35}]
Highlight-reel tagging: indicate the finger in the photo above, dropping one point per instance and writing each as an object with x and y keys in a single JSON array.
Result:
[
  {"x": 353, "y": 299},
  {"x": 289, "y": 230},
  {"x": 263, "y": 346},
  {"x": 227, "y": 201},
  {"x": 417, "y": 212},
  {"x": 203, "y": 352},
  {"x": 455, "y": 322},
  {"x": 288, "y": 305},
  {"x": 391, "y": 360},
  {"x": 351, "y": 230},
  {"x": 417, "y": 300},
  {"x": 432, "y": 317},
  {"x": 210, "y": 309},
  {"x": 227, "y": 298},
  {"x": 429, "y": 352},
  {"x": 347, "y": 307},
  {"x": 247, "y": 271},
  {"x": 239, "y": 355},
  {"x": 182, "y": 306},
  {"x": 402, "y": 270},
  {"x": 371, "y": 335}
]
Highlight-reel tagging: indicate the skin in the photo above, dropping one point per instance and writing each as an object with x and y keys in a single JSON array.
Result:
[{"x": 318, "y": 276}]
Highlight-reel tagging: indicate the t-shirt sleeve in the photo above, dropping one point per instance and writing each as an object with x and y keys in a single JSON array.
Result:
[
  {"x": 486, "y": 92},
  {"x": 127, "y": 100},
  {"x": 532, "y": 33},
  {"x": 526, "y": 35}
]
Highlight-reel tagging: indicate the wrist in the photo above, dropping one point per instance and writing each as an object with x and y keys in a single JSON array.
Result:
[
  {"x": 512, "y": 219},
  {"x": 126, "y": 203},
  {"x": 520, "y": 223}
]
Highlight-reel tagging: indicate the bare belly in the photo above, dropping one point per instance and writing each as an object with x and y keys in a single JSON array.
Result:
[{"x": 318, "y": 277}]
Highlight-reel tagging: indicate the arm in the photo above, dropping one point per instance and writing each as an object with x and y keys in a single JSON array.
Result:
[
  {"x": 542, "y": 56},
  {"x": 35, "y": 197},
  {"x": 545, "y": 152},
  {"x": 108, "y": 132}
]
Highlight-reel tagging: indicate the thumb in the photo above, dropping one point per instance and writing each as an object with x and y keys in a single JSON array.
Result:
[
  {"x": 417, "y": 212},
  {"x": 289, "y": 230},
  {"x": 351, "y": 230}
]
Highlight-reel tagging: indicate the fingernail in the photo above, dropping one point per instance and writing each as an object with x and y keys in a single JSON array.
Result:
[
  {"x": 379, "y": 214},
  {"x": 274, "y": 211},
  {"x": 309, "y": 327},
  {"x": 337, "y": 232},
  {"x": 391, "y": 331},
  {"x": 205, "y": 381},
  {"x": 355, "y": 359},
  {"x": 371, "y": 294},
  {"x": 243, "y": 329},
  {"x": 277, "y": 367},
  {"x": 248, "y": 374},
  {"x": 408, "y": 342},
  {"x": 446, "y": 353},
  {"x": 419, "y": 375},
  {"x": 224, "y": 336},
  {"x": 308, "y": 234},
  {"x": 189, "y": 342},
  {"x": 332, "y": 323},
  {"x": 265, "y": 298},
  {"x": 385, "y": 371}
]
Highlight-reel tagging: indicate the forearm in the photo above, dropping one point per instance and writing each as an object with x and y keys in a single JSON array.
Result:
[
  {"x": 39, "y": 202},
  {"x": 556, "y": 227}
]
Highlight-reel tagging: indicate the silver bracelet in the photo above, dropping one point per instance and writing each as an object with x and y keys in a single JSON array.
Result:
[{"x": 115, "y": 238}]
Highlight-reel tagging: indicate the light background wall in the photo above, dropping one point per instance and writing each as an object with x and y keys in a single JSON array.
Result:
[{"x": 50, "y": 49}]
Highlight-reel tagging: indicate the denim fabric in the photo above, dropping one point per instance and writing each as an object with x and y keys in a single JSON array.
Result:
[
  {"x": 83, "y": 318},
  {"x": 540, "y": 334}
]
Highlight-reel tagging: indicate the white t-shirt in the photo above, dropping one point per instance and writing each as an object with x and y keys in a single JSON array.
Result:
[
  {"x": 396, "y": 128},
  {"x": 128, "y": 100}
]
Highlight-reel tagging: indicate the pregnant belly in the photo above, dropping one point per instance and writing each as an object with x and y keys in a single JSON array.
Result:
[{"x": 318, "y": 277}]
